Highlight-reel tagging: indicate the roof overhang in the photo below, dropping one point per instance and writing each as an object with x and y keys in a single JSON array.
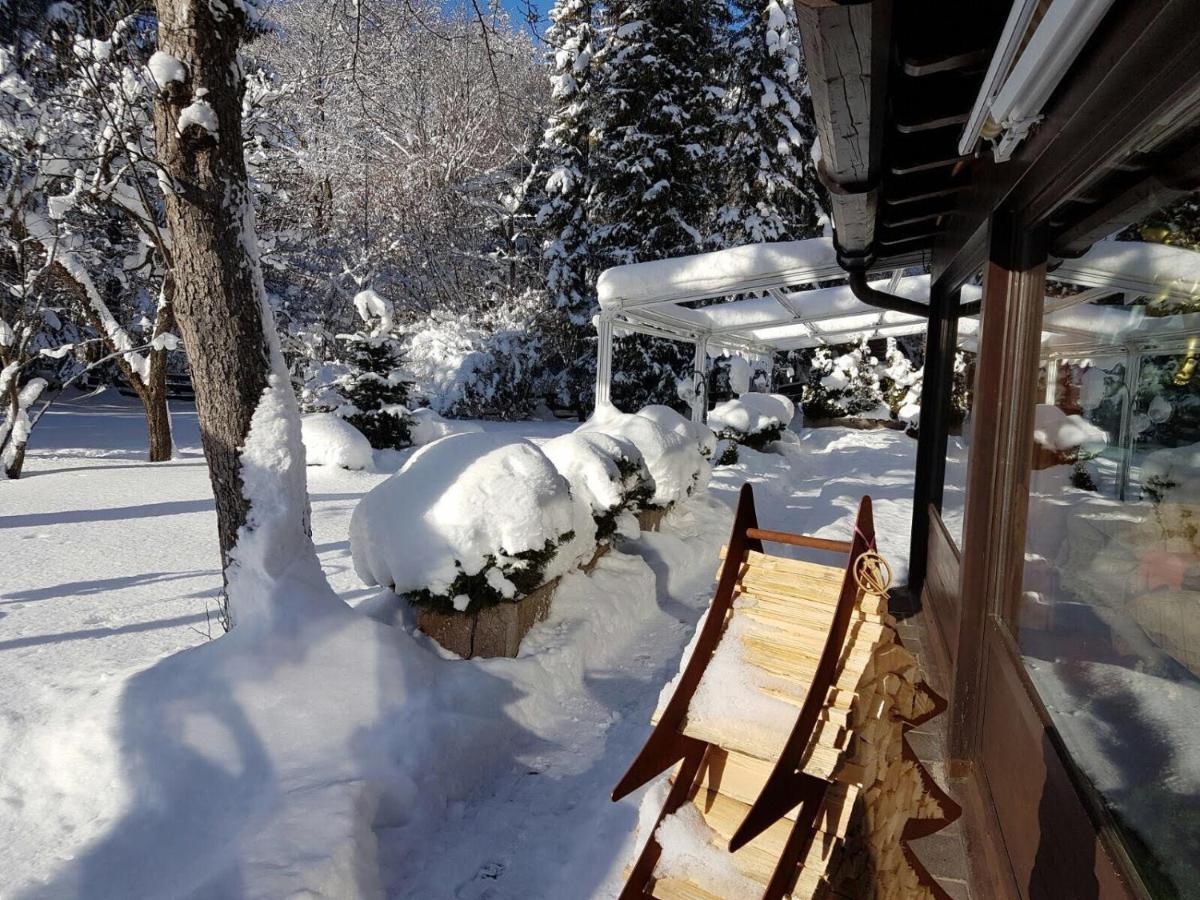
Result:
[{"x": 1101, "y": 121}]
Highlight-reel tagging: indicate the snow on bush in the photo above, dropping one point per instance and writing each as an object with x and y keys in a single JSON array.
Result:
[
  {"x": 753, "y": 420},
  {"x": 1055, "y": 430},
  {"x": 1173, "y": 473},
  {"x": 607, "y": 472},
  {"x": 674, "y": 461},
  {"x": 332, "y": 441},
  {"x": 469, "y": 521},
  {"x": 426, "y": 426},
  {"x": 670, "y": 420}
]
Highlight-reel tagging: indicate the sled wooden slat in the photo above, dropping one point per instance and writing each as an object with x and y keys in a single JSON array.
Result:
[{"x": 823, "y": 805}]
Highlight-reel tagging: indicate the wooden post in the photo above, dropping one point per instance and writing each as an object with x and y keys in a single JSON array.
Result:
[
  {"x": 937, "y": 388},
  {"x": 999, "y": 463}
]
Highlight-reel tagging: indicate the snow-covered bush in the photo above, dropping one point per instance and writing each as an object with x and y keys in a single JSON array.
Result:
[
  {"x": 470, "y": 520},
  {"x": 426, "y": 426},
  {"x": 674, "y": 460},
  {"x": 669, "y": 419},
  {"x": 504, "y": 380},
  {"x": 488, "y": 365},
  {"x": 606, "y": 471},
  {"x": 845, "y": 384},
  {"x": 753, "y": 420},
  {"x": 332, "y": 441}
]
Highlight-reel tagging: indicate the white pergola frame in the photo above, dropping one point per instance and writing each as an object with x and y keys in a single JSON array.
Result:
[{"x": 753, "y": 306}]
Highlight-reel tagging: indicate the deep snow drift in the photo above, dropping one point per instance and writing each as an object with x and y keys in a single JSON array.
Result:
[{"x": 343, "y": 756}]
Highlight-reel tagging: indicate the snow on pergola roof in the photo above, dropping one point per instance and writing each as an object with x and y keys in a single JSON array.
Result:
[{"x": 753, "y": 303}]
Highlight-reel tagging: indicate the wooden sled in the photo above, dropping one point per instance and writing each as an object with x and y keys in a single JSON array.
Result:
[{"x": 827, "y": 810}]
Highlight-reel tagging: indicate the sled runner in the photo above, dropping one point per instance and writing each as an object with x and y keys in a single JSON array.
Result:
[{"x": 786, "y": 728}]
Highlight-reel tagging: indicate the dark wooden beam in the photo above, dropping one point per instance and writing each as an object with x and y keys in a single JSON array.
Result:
[
  {"x": 998, "y": 466},
  {"x": 937, "y": 386},
  {"x": 1135, "y": 80},
  {"x": 1165, "y": 184},
  {"x": 970, "y": 59}
]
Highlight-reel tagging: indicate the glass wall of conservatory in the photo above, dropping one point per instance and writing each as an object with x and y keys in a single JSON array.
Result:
[{"x": 1109, "y": 621}]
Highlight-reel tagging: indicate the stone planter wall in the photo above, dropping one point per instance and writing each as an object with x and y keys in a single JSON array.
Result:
[{"x": 498, "y": 630}]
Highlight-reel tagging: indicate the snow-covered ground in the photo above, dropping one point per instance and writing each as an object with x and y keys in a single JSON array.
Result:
[{"x": 350, "y": 758}]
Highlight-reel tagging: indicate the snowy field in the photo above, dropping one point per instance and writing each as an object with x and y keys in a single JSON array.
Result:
[{"x": 373, "y": 765}]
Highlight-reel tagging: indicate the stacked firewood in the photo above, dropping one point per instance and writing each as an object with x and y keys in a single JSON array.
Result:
[{"x": 878, "y": 795}]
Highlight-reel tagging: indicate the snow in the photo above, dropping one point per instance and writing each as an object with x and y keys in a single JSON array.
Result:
[
  {"x": 752, "y": 413},
  {"x": 369, "y": 304},
  {"x": 165, "y": 68},
  {"x": 344, "y": 756},
  {"x": 674, "y": 461},
  {"x": 1172, "y": 471},
  {"x": 198, "y": 112},
  {"x": 719, "y": 273},
  {"x": 688, "y": 854},
  {"x": 669, "y": 420},
  {"x": 589, "y": 463},
  {"x": 1056, "y": 430},
  {"x": 330, "y": 440},
  {"x": 426, "y": 426},
  {"x": 457, "y": 502},
  {"x": 1149, "y": 269},
  {"x": 731, "y": 697}
]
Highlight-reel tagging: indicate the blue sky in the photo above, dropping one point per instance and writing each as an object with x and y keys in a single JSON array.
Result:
[{"x": 518, "y": 8}]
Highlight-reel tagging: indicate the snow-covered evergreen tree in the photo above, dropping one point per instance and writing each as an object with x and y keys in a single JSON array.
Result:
[
  {"x": 844, "y": 383},
  {"x": 769, "y": 192},
  {"x": 897, "y": 375},
  {"x": 655, "y": 159},
  {"x": 562, "y": 176},
  {"x": 375, "y": 389},
  {"x": 658, "y": 107}
]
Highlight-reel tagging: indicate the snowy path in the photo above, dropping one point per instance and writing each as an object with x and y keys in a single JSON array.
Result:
[{"x": 487, "y": 779}]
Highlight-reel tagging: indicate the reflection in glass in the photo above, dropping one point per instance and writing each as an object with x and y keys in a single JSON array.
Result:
[{"x": 1110, "y": 620}]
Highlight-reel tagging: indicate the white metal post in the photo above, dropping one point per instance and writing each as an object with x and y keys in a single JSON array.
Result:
[
  {"x": 1051, "y": 380},
  {"x": 1133, "y": 375},
  {"x": 604, "y": 352},
  {"x": 700, "y": 380}
]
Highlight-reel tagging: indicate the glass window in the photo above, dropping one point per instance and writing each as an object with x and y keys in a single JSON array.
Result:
[
  {"x": 958, "y": 443},
  {"x": 1109, "y": 624}
]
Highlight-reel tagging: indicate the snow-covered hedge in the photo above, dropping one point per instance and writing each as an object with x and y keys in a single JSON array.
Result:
[
  {"x": 675, "y": 462},
  {"x": 669, "y": 420},
  {"x": 426, "y": 426},
  {"x": 469, "y": 521},
  {"x": 332, "y": 441},
  {"x": 752, "y": 420},
  {"x": 608, "y": 472}
]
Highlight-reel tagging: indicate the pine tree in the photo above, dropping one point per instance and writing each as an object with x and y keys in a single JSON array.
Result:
[
  {"x": 562, "y": 175},
  {"x": 375, "y": 391},
  {"x": 655, "y": 158},
  {"x": 770, "y": 192},
  {"x": 657, "y": 107}
]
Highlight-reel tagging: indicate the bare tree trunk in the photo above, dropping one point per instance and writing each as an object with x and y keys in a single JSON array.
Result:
[
  {"x": 219, "y": 304},
  {"x": 16, "y": 457},
  {"x": 154, "y": 401},
  {"x": 154, "y": 397}
]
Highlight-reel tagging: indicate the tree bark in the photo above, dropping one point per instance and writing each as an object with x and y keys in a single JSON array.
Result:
[
  {"x": 17, "y": 460},
  {"x": 217, "y": 286},
  {"x": 154, "y": 401}
]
